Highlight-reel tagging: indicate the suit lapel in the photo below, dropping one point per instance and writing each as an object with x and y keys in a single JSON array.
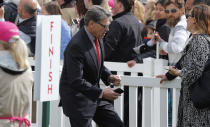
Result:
[
  {"x": 91, "y": 49},
  {"x": 93, "y": 55},
  {"x": 101, "y": 51}
]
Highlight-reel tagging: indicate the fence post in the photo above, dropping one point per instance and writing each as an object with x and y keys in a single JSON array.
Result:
[
  {"x": 175, "y": 103},
  {"x": 46, "y": 114},
  {"x": 56, "y": 114},
  {"x": 119, "y": 103},
  {"x": 148, "y": 64},
  {"x": 159, "y": 113},
  {"x": 133, "y": 104},
  {"x": 148, "y": 67}
]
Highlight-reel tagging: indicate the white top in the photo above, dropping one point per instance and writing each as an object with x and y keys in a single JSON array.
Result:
[{"x": 176, "y": 42}]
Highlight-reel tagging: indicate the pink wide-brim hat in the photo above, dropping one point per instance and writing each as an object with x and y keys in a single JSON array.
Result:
[{"x": 7, "y": 31}]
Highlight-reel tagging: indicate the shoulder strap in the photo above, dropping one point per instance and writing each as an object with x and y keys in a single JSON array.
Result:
[{"x": 207, "y": 65}]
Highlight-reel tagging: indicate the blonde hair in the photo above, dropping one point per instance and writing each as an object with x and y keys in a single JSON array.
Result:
[
  {"x": 105, "y": 5},
  {"x": 139, "y": 10},
  {"x": 150, "y": 14},
  {"x": 19, "y": 51}
]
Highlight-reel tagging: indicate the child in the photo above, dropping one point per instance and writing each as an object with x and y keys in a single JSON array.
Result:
[{"x": 148, "y": 48}]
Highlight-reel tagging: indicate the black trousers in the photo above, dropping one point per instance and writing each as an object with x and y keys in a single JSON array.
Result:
[{"x": 105, "y": 116}]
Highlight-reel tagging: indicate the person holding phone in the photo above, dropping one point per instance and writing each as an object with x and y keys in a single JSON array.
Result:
[
  {"x": 82, "y": 99},
  {"x": 178, "y": 35}
]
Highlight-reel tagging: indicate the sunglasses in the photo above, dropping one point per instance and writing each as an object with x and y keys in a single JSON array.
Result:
[
  {"x": 188, "y": 15},
  {"x": 104, "y": 26},
  {"x": 172, "y": 11}
]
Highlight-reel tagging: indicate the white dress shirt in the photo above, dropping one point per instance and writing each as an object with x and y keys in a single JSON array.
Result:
[{"x": 176, "y": 42}]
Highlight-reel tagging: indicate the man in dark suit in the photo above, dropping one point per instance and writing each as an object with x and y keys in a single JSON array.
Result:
[{"x": 81, "y": 97}]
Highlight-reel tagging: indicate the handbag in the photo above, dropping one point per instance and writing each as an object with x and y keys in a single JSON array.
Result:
[{"x": 200, "y": 90}]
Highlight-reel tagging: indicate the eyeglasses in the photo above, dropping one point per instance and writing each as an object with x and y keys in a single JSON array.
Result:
[
  {"x": 104, "y": 26},
  {"x": 188, "y": 15},
  {"x": 172, "y": 11}
]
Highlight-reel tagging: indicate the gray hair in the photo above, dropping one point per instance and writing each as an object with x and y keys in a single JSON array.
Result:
[{"x": 96, "y": 14}]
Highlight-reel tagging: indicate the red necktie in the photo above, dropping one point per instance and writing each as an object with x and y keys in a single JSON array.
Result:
[{"x": 97, "y": 51}]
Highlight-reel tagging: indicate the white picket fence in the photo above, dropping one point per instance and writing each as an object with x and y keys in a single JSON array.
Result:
[{"x": 155, "y": 96}]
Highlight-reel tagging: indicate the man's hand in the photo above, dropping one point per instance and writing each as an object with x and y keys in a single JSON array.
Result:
[
  {"x": 157, "y": 37},
  {"x": 1, "y": 12},
  {"x": 131, "y": 63},
  {"x": 162, "y": 52},
  {"x": 109, "y": 94},
  {"x": 115, "y": 79},
  {"x": 163, "y": 78}
]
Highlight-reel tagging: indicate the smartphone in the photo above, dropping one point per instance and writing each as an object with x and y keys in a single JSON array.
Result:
[
  {"x": 155, "y": 37},
  {"x": 119, "y": 90},
  {"x": 74, "y": 21}
]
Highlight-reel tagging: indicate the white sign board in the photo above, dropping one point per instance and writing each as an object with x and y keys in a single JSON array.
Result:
[{"x": 47, "y": 58}]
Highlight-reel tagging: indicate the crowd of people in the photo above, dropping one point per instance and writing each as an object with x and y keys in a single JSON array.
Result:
[{"x": 94, "y": 31}]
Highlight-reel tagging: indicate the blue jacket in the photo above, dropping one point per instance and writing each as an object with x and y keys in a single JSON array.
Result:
[{"x": 65, "y": 37}]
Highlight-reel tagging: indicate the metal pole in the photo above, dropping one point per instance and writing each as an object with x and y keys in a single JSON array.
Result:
[{"x": 157, "y": 50}]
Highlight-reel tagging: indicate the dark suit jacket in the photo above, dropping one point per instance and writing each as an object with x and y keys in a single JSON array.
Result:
[
  {"x": 79, "y": 83},
  {"x": 29, "y": 27}
]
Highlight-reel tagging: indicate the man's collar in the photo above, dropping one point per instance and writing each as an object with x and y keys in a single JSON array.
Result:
[
  {"x": 90, "y": 36},
  {"x": 183, "y": 17},
  {"x": 120, "y": 14},
  {"x": 182, "y": 21},
  {"x": 20, "y": 20}
]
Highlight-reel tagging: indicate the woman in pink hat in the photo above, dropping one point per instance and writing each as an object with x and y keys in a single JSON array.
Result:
[{"x": 16, "y": 79}]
